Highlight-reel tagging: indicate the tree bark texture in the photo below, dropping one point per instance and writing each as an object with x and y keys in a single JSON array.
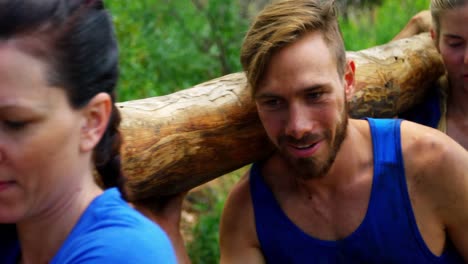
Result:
[
  {"x": 393, "y": 77},
  {"x": 176, "y": 142}
]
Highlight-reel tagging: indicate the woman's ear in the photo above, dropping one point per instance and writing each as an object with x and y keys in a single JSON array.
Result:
[
  {"x": 349, "y": 78},
  {"x": 96, "y": 118}
]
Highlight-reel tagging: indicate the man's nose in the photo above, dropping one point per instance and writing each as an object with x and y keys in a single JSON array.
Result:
[{"x": 299, "y": 123}]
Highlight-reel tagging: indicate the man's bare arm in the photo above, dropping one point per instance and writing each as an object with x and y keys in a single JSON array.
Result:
[
  {"x": 451, "y": 175},
  {"x": 238, "y": 237},
  {"x": 419, "y": 23},
  {"x": 439, "y": 167}
]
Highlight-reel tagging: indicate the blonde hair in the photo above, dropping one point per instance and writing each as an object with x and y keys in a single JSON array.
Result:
[
  {"x": 439, "y": 6},
  {"x": 284, "y": 22}
]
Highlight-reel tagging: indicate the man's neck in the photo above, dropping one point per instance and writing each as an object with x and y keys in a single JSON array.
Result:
[{"x": 354, "y": 156}]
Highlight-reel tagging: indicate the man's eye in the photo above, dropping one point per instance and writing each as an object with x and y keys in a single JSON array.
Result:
[
  {"x": 271, "y": 104},
  {"x": 454, "y": 44},
  {"x": 14, "y": 125},
  {"x": 313, "y": 96}
]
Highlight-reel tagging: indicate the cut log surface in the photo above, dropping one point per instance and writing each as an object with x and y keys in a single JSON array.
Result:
[
  {"x": 176, "y": 142},
  {"x": 173, "y": 143}
]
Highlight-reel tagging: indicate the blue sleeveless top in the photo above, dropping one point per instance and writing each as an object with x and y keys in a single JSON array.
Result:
[
  {"x": 388, "y": 233},
  {"x": 428, "y": 112},
  {"x": 9, "y": 244},
  {"x": 109, "y": 231}
]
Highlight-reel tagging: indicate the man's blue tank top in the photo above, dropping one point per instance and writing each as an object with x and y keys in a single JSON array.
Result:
[{"x": 388, "y": 233}]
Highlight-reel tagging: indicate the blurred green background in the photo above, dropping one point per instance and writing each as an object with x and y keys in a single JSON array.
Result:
[{"x": 169, "y": 45}]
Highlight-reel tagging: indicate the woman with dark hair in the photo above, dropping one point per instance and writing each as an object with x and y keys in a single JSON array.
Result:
[{"x": 58, "y": 124}]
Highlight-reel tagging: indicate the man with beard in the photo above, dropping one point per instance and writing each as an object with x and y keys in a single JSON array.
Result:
[{"x": 337, "y": 190}]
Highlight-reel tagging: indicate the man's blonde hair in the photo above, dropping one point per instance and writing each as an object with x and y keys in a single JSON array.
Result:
[{"x": 283, "y": 23}]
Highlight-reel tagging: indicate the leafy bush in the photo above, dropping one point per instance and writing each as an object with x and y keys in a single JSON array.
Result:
[
  {"x": 205, "y": 249},
  {"x": 169, "y": 45}
]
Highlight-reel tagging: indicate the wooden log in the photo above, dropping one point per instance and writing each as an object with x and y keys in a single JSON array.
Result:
[
  {"x": 176, "y": 142},
  {"x": 173, "y": 143},
  {"x": 393, "y": 77}
]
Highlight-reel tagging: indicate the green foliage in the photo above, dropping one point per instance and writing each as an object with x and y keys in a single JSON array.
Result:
[
  {"x": 370, "y": 26},
  {"x": 205, "y": 249},
  {"x": 205, "y": 246},
  {"x": 169, "y": 45}
]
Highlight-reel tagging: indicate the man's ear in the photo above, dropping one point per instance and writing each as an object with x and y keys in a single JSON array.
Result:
[
  {"x": 349, "y": 78},
  {"x": 96, "y": 117}
]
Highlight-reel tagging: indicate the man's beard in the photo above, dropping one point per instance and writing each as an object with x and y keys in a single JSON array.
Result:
[{"x": 311, "y": 167}]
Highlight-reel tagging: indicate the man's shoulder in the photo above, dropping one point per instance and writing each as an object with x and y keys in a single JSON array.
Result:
[
  {"x": 239, "y": 196},
  {"x": 430, "y": 155},
  {"x": 237, "y": 227},
  {"x": 436, "y": 170},
  {"x": 424, "y": 144},
  {"x": 238, "y": 206}
]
